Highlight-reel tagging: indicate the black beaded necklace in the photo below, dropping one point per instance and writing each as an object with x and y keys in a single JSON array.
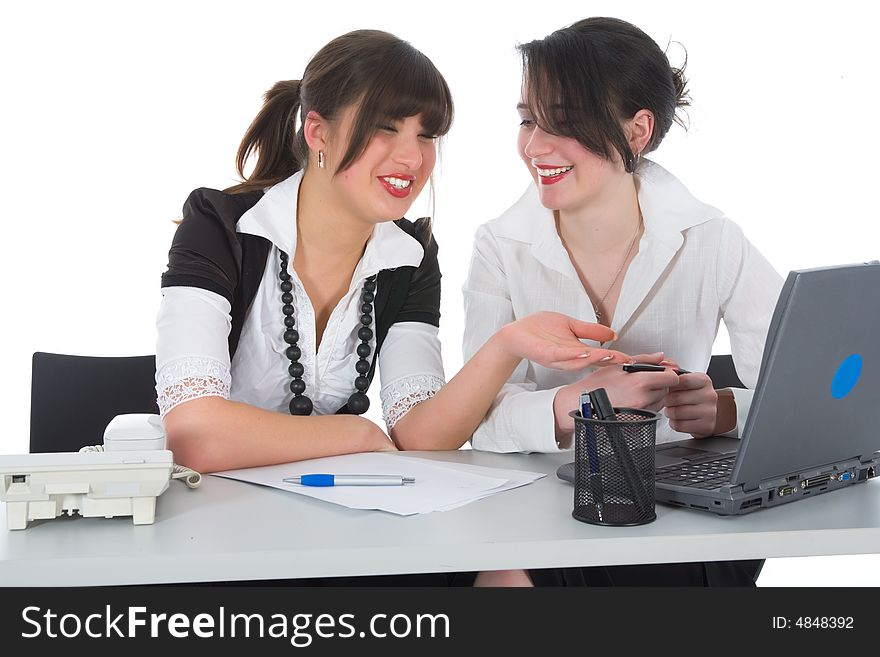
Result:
[{"x": 358, "y": 402}]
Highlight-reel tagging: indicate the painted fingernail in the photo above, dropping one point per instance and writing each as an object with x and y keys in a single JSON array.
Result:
[
  {"x": 602, "y": 360},
  {"x": 585, "y": 355}
]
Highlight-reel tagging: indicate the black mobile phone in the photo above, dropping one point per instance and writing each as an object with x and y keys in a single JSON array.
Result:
[{"x": 647, "y": 367}]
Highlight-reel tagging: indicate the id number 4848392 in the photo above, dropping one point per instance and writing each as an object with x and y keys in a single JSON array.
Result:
[{"x": 814, "y": 623}]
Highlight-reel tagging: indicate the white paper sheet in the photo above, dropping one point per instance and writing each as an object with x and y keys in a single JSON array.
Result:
[
  {"x": 440, "y": 485},
  {"x": 514, "y": 478}
]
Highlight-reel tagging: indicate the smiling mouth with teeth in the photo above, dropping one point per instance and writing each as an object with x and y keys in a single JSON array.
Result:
[
  {"x": 548, "y": 176},
  {"x": 397, "y": 182},
  {"x": 547, "y": 173},
  {"x": 399, "y": 186}
]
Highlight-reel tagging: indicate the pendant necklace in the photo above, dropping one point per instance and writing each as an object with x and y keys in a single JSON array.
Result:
[{"x": 597, "y": 306}]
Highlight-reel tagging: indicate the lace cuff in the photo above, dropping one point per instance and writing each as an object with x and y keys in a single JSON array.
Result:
[
  {"x": 399, "y": 396},
  {"x": 188, "y": 378}
]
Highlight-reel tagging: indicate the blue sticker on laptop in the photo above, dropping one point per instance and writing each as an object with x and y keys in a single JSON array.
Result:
[{"x": 846, "y": 377}]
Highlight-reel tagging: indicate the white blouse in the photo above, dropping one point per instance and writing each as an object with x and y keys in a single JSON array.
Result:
[
  {"x": 694, "y": 267},
  {"x": 192, "y": 353}
]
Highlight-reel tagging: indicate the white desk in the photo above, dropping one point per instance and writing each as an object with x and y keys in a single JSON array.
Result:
[{"x": 230, "y": 530}]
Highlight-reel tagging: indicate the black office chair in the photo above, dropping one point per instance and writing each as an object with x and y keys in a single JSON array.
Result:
[
  {"x": 73, "y": 398},
  {"x": 723, "y": 373}
]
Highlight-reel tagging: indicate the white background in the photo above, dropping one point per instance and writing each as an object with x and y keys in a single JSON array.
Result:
[{"x": 112, "y": 113}]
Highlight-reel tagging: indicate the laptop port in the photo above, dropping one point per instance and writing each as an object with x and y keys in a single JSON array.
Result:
[
  {"x": 815, "y": 481},
  {"x": 785, "y": 490}
]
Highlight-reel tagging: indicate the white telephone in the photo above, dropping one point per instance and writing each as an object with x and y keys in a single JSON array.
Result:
[
  {"x": 122, "y": 477},
  {"x": 141, "y": 432}
]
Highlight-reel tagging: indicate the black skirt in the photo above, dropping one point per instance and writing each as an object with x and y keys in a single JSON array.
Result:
[{"x": 710, "y": 573}]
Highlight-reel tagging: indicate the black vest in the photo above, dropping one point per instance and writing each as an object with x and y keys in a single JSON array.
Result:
[{"x": 208, "y": 253}]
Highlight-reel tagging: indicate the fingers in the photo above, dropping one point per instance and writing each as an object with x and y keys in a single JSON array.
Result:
[
  {"x": 665, "y": 380},
  {"x": 565, "y": 358},
  {"x": 697, "y": 428},
  {"x": 702, "y": 397},
  {"x": 651, "y": 359},
  {"x": 603, "y": 357},
  {"x": 591, "y": 331},
  {"x": 688, "y": 412},
  {"x": 694, "y": 381},
  {"x": 587, "y": 357}
]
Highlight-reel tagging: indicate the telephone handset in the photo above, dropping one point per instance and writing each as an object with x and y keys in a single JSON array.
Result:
[{"x": 134, "y": 431}]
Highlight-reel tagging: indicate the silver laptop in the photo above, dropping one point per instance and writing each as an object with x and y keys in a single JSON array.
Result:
[{"x": 813, "y": 424}]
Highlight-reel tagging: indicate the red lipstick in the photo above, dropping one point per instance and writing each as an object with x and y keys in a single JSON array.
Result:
[
  {"x": 551, "y": 180},
  {"x": 397, "y": 192}
]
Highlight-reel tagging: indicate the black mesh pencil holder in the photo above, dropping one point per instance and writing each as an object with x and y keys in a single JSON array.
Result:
[{"x": 614, "y": 468}]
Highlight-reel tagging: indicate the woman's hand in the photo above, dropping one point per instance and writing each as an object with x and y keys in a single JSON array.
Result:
[
  {"x": 552, "y": 340},
  {"x": 692, "y": 405},
  {"x": 647, "y": 390}
]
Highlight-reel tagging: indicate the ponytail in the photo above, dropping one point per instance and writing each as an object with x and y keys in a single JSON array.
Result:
[{"x": 273, "y": 137}]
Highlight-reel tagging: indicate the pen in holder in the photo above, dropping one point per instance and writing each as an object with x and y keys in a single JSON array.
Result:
[
  {"x": 614, "y": 464},
  {"x": 594, "y": 475}
]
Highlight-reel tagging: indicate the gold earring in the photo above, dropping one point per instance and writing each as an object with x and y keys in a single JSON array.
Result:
[{"x": 321, "y": 159}]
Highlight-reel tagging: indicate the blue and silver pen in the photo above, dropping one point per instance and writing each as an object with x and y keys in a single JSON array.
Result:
[
  {"x": 585, "y": 405},
  {"x": 323, "y": 480},
  {"x": 592, "y": 451},
  {"x": 595, "y": 477}
]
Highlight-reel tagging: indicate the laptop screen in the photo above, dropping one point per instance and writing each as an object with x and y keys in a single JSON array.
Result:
[{"x": 818, "y": 393}]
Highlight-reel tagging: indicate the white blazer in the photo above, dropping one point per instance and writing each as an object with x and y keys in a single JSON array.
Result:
[{"x": 694, "y": 268}]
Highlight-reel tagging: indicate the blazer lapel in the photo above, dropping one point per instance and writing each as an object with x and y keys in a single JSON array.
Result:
[
  {"x": 668, "y": 209},
  {"x": 644, "y": 274}
]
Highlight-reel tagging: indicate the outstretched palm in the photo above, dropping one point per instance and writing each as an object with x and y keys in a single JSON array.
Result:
[{"x": 553, "y": 340}]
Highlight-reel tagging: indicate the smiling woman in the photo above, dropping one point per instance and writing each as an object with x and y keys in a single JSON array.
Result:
[
  {"x": 306, "y": 247},
  {"x": 605, "y": 234},
  {"x": 285, "y": 293}
]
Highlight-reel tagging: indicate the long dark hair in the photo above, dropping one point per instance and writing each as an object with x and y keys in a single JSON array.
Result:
[
  {"x": 386, "y": 76},
  {"x": 584, "y": 80}
]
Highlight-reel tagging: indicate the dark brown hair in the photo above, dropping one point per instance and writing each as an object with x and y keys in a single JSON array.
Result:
[
  {"x": 584, "y": 80},
  {"x": 384, "y": 75}
]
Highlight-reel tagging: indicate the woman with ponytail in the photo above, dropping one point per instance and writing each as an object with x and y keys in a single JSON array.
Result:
[
  {"x": 606, "y": 235},
  {"x": 285, "y": 293}
]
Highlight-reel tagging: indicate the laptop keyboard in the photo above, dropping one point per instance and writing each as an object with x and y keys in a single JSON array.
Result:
[{"x": 705, "y": 474}]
